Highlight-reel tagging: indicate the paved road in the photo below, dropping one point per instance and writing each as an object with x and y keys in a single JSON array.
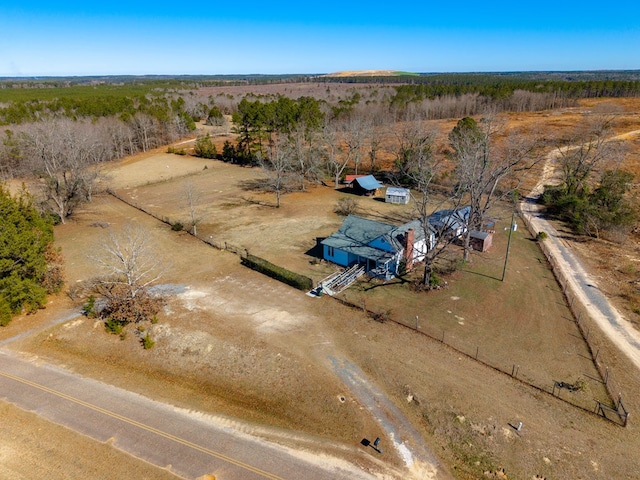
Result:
[
  {"x": 189, "y": 444},
  {"x": 583, "y": 286}
]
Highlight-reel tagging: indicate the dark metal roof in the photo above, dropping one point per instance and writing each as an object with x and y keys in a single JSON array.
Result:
[
  {"x": 356, "y": 233},
  {"x": 479, "y": 235}
]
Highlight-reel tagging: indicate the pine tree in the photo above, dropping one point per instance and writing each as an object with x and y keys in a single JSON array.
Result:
[{"x": 26, "y": 242}]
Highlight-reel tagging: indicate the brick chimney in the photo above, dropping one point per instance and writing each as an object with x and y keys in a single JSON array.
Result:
[{"x": 409, "y": 240}]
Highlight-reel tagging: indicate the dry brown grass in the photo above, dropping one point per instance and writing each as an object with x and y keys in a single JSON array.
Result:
[{"x": 239, "y": 343}]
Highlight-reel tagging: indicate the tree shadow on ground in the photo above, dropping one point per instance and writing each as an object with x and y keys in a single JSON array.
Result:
[{"x": 253, "y": 185}]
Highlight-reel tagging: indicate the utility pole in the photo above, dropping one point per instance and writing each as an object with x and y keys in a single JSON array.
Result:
[{"x": 506, "y": 257}]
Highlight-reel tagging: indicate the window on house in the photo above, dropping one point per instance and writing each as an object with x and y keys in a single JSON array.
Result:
[{"x": 330, "y": 251}]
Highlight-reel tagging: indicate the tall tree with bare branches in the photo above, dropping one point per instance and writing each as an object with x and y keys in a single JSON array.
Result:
[
  {"x": 589, "y": 151},
  {"x": 130, "y": 266},
  {"x": 418, "y": 166},
  {"x": 488, "y": 168},
  {"x": 65, "y": 155},
  {"x": 192, "y": 198},
  {"x": 279, "y": 168}
]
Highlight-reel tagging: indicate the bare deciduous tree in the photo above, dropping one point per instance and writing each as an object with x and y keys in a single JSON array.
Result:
[
  {"x": 130, "y": 265},
  {"x": 418, "y": 167},
  {"x": 589, "y": 151},
  {"x": 192, "y": 198},
  {"x": 278, "y": 167},
  {"x": 483, "y": 165},
  {"x": 65, "y": 155},
  {"x": 306, "y": 155},
  {"x": 335, "y": 162},
  {"x": 354, "y": 133}
]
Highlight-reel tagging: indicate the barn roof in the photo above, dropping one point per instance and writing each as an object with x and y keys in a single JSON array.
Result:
[
  {"x": 368, "y": 182},
  {"x": 350, "y": 178}
]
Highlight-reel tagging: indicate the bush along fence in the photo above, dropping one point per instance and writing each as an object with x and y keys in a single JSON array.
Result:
[
  {"x": 255, "y": 263},
  {"x": 274, "y": 271},
  {"x": 592, "y": 335}
]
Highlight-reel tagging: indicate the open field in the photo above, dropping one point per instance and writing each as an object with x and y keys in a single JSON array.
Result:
[{"x": 234, "y": 342}]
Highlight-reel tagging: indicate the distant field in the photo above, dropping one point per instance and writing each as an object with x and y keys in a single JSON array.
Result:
[{"x": 239, "y": 343}]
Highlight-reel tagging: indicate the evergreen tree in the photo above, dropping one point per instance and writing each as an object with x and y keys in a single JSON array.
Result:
[{"x": 26, "y": 240}]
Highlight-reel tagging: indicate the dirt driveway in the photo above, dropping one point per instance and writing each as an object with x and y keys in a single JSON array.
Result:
[{"x": 234, "y": 342}]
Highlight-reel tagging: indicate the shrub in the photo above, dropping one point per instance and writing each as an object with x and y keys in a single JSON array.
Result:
[
  {"x": 176, "y": 151},
  {"x": 541, "y": 236},
  {"x": 177, "y": 227},
  {"x": 147, "y": 342},
  {"x": 114, "y": 327},
  {"x": 435, "y": 281},
  {"x": 123, "y": 308},
  {"x": 5, "y": 312},
  {"x": 282, "y": 274},
  {"x": 89, "y": 308},
  {"x": 381, "y": 316},
  {"x": 346, "y": 206},
  {"x": 205, "y": 148}
]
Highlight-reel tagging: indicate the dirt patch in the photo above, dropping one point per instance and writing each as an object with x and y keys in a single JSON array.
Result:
[{"x": 232, "y": 341}]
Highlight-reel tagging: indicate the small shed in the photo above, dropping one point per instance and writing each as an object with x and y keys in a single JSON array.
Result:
[
  {"x": 367, "y": 185},
  {"x": 397, "y": 195},
  {"x": 480, "y": 241},
  {"x": 349, "y": 179}
]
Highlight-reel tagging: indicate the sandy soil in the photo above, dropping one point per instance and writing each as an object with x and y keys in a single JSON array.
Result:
[{"x": 228, "y": 335}]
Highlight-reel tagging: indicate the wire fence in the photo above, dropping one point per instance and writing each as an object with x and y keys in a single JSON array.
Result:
[
  {"x": 517, "y": 371},
  {"x": 589, "y": 329},
  {"x": 613, "y": 409},
  {"x": 218, "y": 244}
]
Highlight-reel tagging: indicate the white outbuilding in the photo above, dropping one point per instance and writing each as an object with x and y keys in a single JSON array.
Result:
[{"x": 397, "y": 195}]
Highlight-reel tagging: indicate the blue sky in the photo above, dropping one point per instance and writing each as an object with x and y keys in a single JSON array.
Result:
[{"x": 272, "y": 37}]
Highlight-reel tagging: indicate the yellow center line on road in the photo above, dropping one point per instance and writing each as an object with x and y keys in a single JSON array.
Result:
[{"x": 144, "y": 427}]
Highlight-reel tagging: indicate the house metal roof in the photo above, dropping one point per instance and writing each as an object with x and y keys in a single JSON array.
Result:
[
  {"x": 356, "y": 233},
  {"x": 450, "y": 219}
]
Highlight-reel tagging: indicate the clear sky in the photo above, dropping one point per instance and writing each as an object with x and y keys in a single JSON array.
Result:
[{"x": 275, "y": 36}]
